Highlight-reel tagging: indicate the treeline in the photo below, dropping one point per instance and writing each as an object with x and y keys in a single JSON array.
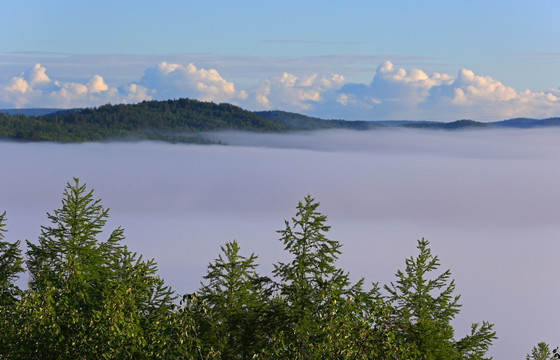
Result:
[
  {"x": 182, "y": 120},
  {"x": 160, "y": 120},
  {"x": 92, "y": 299},
  {"x": 303, "y": 122}
]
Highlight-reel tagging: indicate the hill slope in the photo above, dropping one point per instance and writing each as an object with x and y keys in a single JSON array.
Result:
[
  {"x": 181, "y": 120},
  {"x": 303, "y": 122},
  {"x": 29, "y": 112},
  {"x": 162, "y": 120}
]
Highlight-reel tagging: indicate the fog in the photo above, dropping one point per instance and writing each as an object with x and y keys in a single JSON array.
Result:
[{"x": 488, "y": 201}]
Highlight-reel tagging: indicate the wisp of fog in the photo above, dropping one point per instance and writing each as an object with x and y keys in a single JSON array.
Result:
[{"x": 487, "y": 200}]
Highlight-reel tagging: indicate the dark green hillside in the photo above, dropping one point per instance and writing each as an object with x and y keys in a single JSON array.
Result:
[
  {"x": 303, "y": 122},
  {"x": 181, "y": 120},
  {"x": 526, "y": 123},
  {"x": 29, "y": 112},
  {"x": 551, "y": 121},
  {"x": 146, "y": 120},
  {"x": 183, "y": 114},
  {"x": 455, "y": 125}
]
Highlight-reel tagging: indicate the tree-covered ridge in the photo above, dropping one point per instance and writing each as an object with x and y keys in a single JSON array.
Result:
[
  {"x": 303, "y": 122},
  {"x": 94, "y": 299},
  {"x": 454, "y": 125},
  {"x": 171, "y": 120},
  {"x": 183, "y": 120}
]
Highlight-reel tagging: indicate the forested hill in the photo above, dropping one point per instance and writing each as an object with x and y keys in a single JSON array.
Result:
[
  {"x": 183, "y": 120},
  {"x": 170, "y": 120},
  {"x": 303, "y": 122},
  {"x": 30, "y": 111}
]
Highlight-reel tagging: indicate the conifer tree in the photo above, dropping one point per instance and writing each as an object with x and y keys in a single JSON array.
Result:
[
  {"x": 325, "y": 316},
  {"x": 234, "y": 299},
  {"x": 11, "y": 263},
  {"x": 89, "y": 299},
  {"x": 425, "y": 306},
  {"x": 541, "y": 351},
  {"x": 92, "y": 299}
]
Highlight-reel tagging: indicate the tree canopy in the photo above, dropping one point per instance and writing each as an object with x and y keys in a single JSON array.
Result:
[
  {"x": 172, "y": 120},
  {"x": 92, "y": 298}
]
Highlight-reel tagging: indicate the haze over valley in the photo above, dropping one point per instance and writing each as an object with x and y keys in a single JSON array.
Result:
[
  {"x": 198, "y": 123},
  {"x": 485, "y": 199}
]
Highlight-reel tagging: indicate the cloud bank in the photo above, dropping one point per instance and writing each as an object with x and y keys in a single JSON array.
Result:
[
  {"x": 290, "y": 92},
  {"x": 394, "y": 93},
  {"x": 34, "y": 89}
]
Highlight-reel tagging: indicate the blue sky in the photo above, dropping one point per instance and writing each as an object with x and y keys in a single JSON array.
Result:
[{"x": 441, "y": 60}]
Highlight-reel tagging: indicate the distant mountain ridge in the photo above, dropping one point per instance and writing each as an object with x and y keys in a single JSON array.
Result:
[
  {"x": 30, "y": 112},
  {"x": 172, "y": 120},
  {"x": 182, "y": 120},
  {"x": 304, "y": 122},
  {"x": 525, "y": 123}
]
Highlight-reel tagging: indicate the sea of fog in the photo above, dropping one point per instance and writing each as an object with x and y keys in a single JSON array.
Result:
[{"x": 488, "y": 201}]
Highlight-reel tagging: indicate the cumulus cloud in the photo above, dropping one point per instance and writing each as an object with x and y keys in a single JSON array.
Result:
[
  {"x": 34, "y": 88},
  {"x": 17, "y": 84},
  {"x": 135, "y": 93},
  {"x": 471, "y": 88},
  {"x": 290, "y": 92},
  {"x": 482, "y": 97},
  {"x": 37, "y": 76},
  {"x": 26, "y": 88},
  {"x": 175, "y": 81},
  {"x": 394, "y": 93},
  {"x": 96, "y": 85}
]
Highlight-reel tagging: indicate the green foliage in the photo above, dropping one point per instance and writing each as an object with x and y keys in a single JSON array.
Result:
[
  {"x": 11, "y": 263},
  {"x": 234, "y": 312},
  {"x": 171, "y": 120},
  {"x": 310, "y": 284},
  {"x": 303, "y": 122},
  {"x": 92, "y": 299},
  {"x": 88, "y": 299},
  {"x": 311, "y": 279},
  {"x": 178, "y": 121},
  {"x": 324, "y": 315},
  {"x": 454, "y": 125},
  {"x": 542, "y": 352},
  {"x": 426, "y": 305}
]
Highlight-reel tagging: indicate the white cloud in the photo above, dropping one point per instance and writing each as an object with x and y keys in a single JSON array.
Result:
[
  {"x": 37, "y": 76},
  {"x": 394, "y": 93},
  {"x": 293, "y": 93},
  {"x": 471, "y": 88},
  {"x": 34, "y": 88},
  {"x": 97, "y": 84},
  {"x": 136, "y": 93},
  {"x": 176, "y": 81},
  {"x": 17, "y": 84},
  {"x": 484, "y": 98}
]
